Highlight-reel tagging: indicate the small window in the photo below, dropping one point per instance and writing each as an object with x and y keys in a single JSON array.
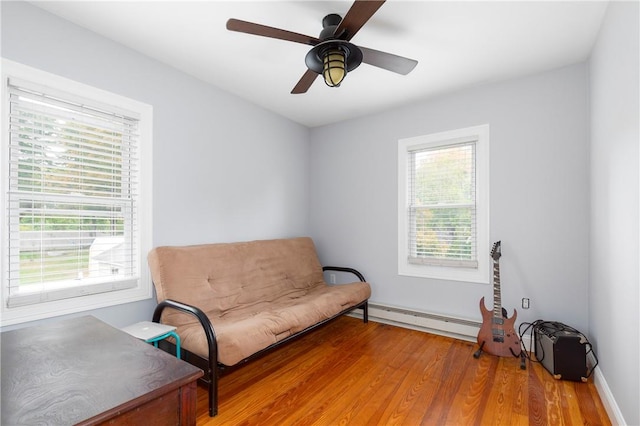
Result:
[
  {"x": 443, "y": 205},
  {"x": 77, "y": 189}
]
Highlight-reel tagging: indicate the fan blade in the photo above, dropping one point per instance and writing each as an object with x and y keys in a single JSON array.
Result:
[
  {"x": 265, "y": 31},
  {"x": 305, "y": 82},
  {"x": 361, "y": 11},
  {"x": 388, "y": 61}
]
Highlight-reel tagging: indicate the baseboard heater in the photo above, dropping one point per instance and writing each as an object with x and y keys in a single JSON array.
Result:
[{"x": 423, "y": 321}]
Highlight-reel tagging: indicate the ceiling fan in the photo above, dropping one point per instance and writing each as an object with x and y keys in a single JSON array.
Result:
[{"x": 333, "y": 55}]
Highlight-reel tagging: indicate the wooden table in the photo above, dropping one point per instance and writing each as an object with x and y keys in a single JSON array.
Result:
[{"x": 83, "y": 371}]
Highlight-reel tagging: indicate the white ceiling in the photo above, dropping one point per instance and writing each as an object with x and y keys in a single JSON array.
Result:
[{"x": 457, "y": 44}]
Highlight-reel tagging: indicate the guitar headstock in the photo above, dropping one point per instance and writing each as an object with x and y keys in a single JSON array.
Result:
[{"x": 496, "y": 251}]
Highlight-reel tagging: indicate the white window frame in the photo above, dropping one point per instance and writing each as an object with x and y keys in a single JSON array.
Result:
[
  {"x": 143, "y": 288},
  {"x": 481, "y": 274}
]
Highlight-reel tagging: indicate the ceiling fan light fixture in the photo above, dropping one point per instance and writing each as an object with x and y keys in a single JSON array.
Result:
[
  {"x": 334, "y": 67},
  {"x": 333, "y": 59}
]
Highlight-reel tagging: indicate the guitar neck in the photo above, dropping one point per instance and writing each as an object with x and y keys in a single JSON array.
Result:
[{"x": 497, "y": 299}]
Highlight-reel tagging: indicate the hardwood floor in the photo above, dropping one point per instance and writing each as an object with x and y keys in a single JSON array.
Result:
[{"x": 348, "y": 372}]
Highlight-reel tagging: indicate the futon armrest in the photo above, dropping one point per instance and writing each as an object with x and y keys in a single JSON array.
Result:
[
  {"x": 212, "y": 361},
  {"x": 199, "y": 314},
  {"x": 343, "y": 269}
]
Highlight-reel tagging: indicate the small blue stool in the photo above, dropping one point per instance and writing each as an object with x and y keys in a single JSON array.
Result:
[{"x": 153, "y": 332}]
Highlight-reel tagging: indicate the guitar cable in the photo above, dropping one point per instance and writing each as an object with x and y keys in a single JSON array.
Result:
[{"x": 551, "y": 329}]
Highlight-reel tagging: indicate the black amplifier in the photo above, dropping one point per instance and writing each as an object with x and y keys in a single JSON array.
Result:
[{"x": 562, "y": 350}]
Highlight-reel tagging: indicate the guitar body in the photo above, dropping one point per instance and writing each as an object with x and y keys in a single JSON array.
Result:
[{"x": 498, "y": 336}]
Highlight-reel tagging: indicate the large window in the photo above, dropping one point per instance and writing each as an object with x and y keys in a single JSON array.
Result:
[
  {"x": 443, "y": 205},
  {"x": 76, "y": 193}
]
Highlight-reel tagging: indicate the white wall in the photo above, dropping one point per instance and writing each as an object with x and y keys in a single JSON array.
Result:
[
  {"x": 224, "y": 169},
  {"x": 539, "y": 196},
  {"x": 614, "y": 320}
]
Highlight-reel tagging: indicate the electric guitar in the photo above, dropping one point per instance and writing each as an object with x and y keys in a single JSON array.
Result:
[{"x": 497, "y": 335}]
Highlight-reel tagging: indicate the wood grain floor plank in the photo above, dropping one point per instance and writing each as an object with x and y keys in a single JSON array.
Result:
[
  {"x": 371, "y": 380},
  {"x": 280, "y": 393},
  {"x": 411, "y": 381},
  {"x": 447, "y": 383},
  {"x": 498, "y": 408},
  {"x": 590, "y": 404},
  {"x": 387, "y": 412},
  {"x": 351, "y": 373},
  {"x": 478, "y": 379},
  {"x": 552, "y": 401},
  {"x": 537, "y": 407}
]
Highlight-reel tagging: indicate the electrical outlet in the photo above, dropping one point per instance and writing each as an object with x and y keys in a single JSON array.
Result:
[
  {"x": 332, "y": 278},
  {"x": 525, "y": 303}
]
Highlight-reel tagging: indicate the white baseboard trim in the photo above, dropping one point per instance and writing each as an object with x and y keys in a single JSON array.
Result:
[
  {"x": 458, "y": 328},
  {"x": 609, "y": 402}
]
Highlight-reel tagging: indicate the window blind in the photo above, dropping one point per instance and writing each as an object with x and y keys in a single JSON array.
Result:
[
  {"x": 72, "y": 197},
  {"x": 442, "y": 205}
]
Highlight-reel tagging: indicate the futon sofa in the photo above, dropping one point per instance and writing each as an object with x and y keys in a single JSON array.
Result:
[{"x": 232, "y": 302}]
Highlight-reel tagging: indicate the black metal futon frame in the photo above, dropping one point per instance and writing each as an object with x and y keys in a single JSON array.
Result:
[{"x": 211, "y": 367}]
